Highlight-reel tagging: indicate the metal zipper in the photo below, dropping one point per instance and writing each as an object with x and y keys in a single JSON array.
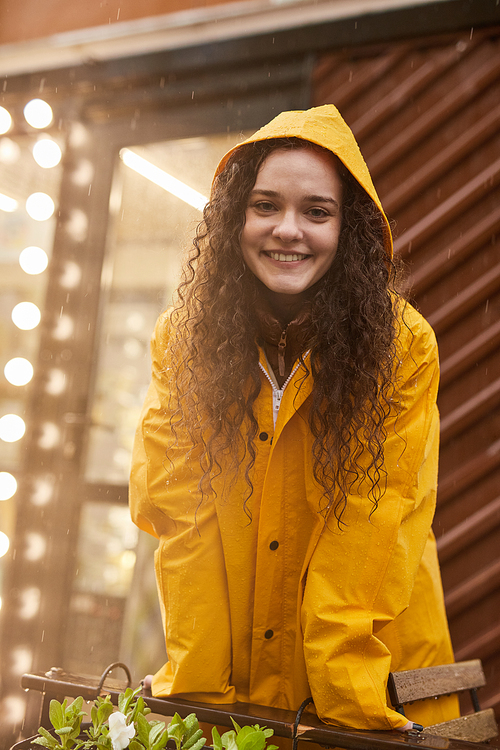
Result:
[{"x": 277, "y": 392}]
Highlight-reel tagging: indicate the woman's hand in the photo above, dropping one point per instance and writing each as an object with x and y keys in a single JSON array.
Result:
[{"x": 410, "y": 725}]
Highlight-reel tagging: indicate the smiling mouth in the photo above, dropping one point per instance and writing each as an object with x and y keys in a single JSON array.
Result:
[{"x": 289, "y": 257}]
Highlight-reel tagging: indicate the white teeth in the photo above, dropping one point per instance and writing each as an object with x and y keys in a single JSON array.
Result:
[{"x": 286, "y": 258}]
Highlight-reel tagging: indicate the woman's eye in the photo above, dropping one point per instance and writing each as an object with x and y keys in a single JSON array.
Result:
[
  {"x": 318, "y": 213},
  {"x": 264, "y": 206}
]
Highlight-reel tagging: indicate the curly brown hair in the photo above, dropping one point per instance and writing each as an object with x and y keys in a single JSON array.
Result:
[{"x": 352, "y": 342}]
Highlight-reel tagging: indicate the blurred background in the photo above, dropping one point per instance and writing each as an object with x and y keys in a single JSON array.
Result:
[{"x": 113, "y": 116}]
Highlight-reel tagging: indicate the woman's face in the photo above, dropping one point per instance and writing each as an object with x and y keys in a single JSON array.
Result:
[{"x": 292, "y": 220}]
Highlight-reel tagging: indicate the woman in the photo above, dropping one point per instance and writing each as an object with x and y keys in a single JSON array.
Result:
[{"x": 286, "y": 457}]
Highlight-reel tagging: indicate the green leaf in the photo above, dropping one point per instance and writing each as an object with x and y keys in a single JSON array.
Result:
[
  {"x": 56, "y": 713},
  {"x": 47, "y": 740},
  {"x": 176, "y": 730},
  {"x": 191, "y": 724},
  {"x": 77, "y": 704},
  {"x": 122, "y": 700},
  {"x": 161, "y": 741},
  {"x": 155, "y": 732},
  {"x": 193, "y": 739},
  {"x": 229, "y": 740},
  {"x": 254, "y": 740},
  {"x": 105, "y": 711},
  {"x": 235, "y": 725},
  {"x": 64, "y": 730},
  {"x": 216, "y": 740},
  {"x": 201, "y": 743},
  {"x": 45, "y": 743},
  {"x": 142, "y": 726}
]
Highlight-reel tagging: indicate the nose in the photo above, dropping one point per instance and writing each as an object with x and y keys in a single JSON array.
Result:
[{"x": 287, "y": 227}]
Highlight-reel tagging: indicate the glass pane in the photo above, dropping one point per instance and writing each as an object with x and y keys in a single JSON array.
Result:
[
  {"x": 150, "y": 228},
  {"x": 107, "y": 540}
]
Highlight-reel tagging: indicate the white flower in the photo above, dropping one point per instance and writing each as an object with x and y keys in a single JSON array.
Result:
[{"x": 119, "y": 731}]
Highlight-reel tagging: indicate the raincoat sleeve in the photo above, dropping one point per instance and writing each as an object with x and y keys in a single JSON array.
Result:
[
  {"x": 361, "y": 578},
  {"x": 165, "y": 501}
]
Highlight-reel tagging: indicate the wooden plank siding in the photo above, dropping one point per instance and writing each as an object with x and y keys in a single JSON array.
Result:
[{"x": 426, "y": 113}]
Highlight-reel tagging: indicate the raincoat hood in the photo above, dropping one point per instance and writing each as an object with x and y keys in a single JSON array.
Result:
[{"x": 325, "y": 127}]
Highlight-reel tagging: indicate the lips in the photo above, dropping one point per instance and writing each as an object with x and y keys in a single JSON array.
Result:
[{"x": 287, "y": 257}]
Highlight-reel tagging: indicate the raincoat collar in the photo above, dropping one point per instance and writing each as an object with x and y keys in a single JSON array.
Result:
[{"x": 324, "y": 126}]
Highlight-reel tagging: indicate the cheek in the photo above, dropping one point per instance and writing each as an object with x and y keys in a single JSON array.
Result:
[{"x": 249, "y": 233}]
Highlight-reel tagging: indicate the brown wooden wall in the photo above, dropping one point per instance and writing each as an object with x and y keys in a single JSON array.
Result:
[{"x": 426, "y": 114}]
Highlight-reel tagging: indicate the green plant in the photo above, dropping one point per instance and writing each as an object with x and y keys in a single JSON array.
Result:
[
  {"x": 66, "y": 721},
  {"x": 243, "y": 738},
  {"x": 129, "y": 728}
]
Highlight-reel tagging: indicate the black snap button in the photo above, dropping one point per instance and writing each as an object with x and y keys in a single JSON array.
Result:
[
  {"x": 274, "y": 545},
  {"x": 263, "y": 436},
  {"x": 268, "y": 634}
]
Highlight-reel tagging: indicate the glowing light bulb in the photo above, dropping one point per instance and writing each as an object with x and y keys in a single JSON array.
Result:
[
  {"x": 33, "y": 260},
  {"x": 26, "y": 316},
  {"x": 18, "y": 371},
  {"x": 8, "y": 485},
  {"x": 47, "y": 153},
  {"x": 12, "y": 428},
  {"x": 40, "y": 206},
  {"x": 22, "y": 659},
  {"x": 5, "y": 120},
  {"x": 9, "y": 151},
  {"x": 4, "y": 544},
  {"x": 30, "y": 602},
  {"x": 36, "y": 546},
  {"x": 14, "y": 709},
  {"x": 7, "y": 204},
  {"x": 38, "y": 113}
]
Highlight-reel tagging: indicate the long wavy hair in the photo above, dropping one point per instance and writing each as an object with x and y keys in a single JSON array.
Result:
[{"x": 352, "y": 343}]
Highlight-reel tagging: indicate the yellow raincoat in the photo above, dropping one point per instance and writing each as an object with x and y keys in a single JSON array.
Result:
[{"x": 285, "y": 607}]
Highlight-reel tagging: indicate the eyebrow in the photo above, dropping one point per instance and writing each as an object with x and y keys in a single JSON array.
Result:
[{"x": 307, "y": 198}]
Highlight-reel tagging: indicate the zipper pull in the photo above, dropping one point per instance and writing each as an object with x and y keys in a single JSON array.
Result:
[
  {"x": 277, "y": 396},
  {"x": 281, "y": 354}
]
